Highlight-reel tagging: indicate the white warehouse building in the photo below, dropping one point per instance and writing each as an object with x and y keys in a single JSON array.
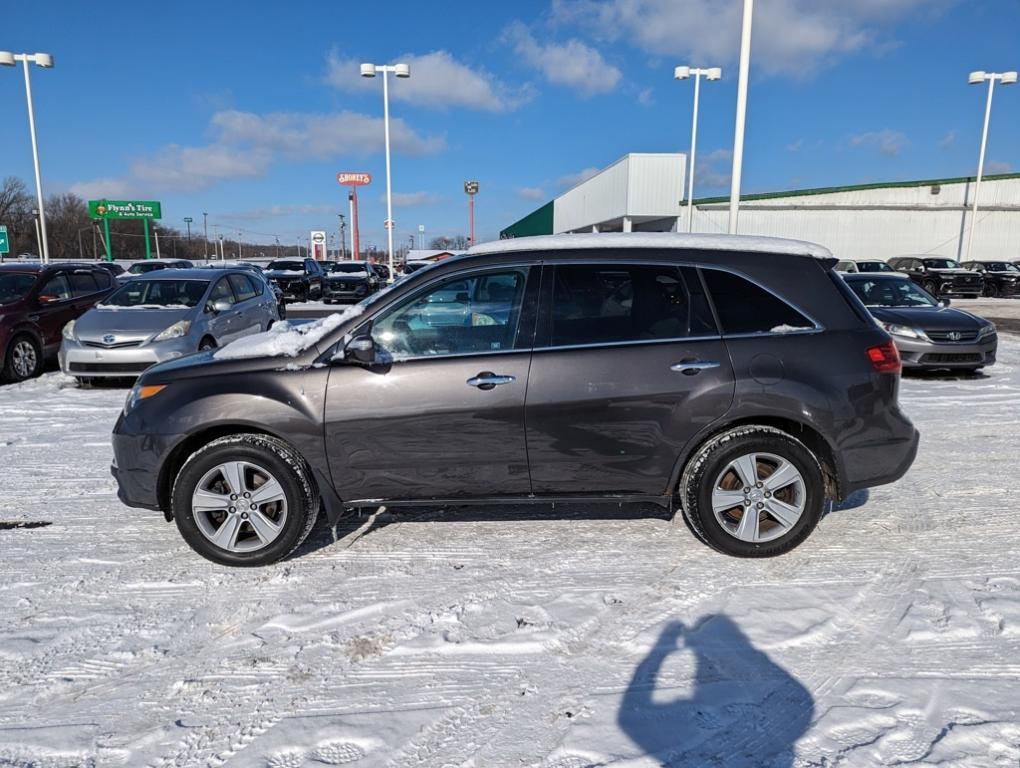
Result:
[{"x": 644, "y": 192}]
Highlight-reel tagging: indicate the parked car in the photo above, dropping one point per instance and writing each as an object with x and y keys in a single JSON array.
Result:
[
  {"x": 349, "y": 281},
  {"x": 164, "y": 316},
  {"x": 845, "y": 265},
  {"x": 256, "y": 270},
  {"x": 414, "y": 266},
  {"x": 112, "y": 267},
  {"x": 928, "y": 332},
  {"x": 299, "y": 279},
  {"x": 36, "y": 301},
  {"x": 382, "y": 271},
  {"x": 1001, "y": 277},
  {"x": 940, "y": 276},
  {"x": 153, "y": 265},
  {"x": 582, "y": 367},
  {"x": 872, "y": 265}
]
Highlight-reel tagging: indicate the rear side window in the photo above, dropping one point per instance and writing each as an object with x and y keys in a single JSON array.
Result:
[
  {"x": 103, "y": 279},
  {"x": 744, "y": 307},
  {"x": 608, "y": 303},
  {"x": 82, "y": 284},
  {"x": 242, "y": 287}
]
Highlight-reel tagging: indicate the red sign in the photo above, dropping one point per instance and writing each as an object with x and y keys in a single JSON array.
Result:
[
  {"x": 388, "y": 223},
  {"x": 350, "y": 179}
]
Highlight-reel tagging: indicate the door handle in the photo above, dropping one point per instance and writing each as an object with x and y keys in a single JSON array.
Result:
[
  {"x": 487, "y": 380},
  {"x": 691, "y": 367}
]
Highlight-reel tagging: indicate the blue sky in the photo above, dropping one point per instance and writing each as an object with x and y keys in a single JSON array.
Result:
[{"x": 247, "y": 111}]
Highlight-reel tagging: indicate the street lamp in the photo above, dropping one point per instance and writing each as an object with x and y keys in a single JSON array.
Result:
[
  {"x": 205, "y": 227},
  {"x": 400, "y": 70},
  {"x": 45, "y": 61},
  {"x": 343, "y": 237},
  {"x": 741, "y": 114},
  {"x": 471, "y": 189},
  {"x": 976, "y": 78},
  {"x": 682, "y": 73}
]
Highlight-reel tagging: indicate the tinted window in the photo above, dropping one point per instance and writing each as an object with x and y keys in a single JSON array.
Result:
[
  {"x": 14, "y": 286},
  {"x": 103, "y": 279},
  {"x": 166, "y": 293},
  {"x": 285, "y": 266},
  {"x": 744, "y": 307},
  {"x": 83, "y": 284},
  {"x": 242, "y": 287},
  {"x": 145, "y": 266},
  {"x": 941, "y": 264},
  {"x": 311, "y": 267},
  {"x": 57, "y": 287},
  {"x": 603, "y": 304},
  {"x": 890, "y": 293},
  {"x": 480, "y": 313},
  {"x": 221, "y": 291},
  {"x": 873, "y": 266}
]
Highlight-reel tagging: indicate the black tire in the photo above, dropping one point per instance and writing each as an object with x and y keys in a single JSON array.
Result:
[
  {"x": 712, "y": 459},
  {"x": 288, "y": 468},
  {"x": 974, "y": 296},
  {"x": 23, "y": 360},
  {"x": 327, "y": 301},
  {"x": 282, "y": 310},
  {"x": 991, "y": 291},
  {"x": 931, "y": 287},
  {"x": 207, "y": 343}
]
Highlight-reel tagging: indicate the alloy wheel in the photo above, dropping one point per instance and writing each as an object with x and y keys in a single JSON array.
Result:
[
  {"x": 23, "y": 359},
  {"x": 758, "y": 497},
  {"x": 239, "y": 506}
]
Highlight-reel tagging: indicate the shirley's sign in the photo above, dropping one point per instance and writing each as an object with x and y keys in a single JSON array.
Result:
[{"x": 351, "y": 179}]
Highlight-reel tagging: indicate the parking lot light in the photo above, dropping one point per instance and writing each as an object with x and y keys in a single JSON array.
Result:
[
  {"x": 976, "y": 78},
  {"x": 682, "y": 73},
  {"x": 45, "y": 61}
]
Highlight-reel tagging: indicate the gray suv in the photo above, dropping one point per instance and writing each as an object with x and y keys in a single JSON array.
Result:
[{"x": 737, "y": 378}]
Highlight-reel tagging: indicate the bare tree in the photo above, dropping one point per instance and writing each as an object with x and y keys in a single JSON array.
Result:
[
  {"x": 448, "y": 243},
  {"x": 16, "y": 213}
]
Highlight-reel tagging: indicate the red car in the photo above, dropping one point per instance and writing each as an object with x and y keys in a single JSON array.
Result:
[{"x": 36, "y": 302}]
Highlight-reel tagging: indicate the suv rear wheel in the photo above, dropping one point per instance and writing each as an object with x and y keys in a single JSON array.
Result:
[
  {"x": 245, "y": 500},
  {"x": 932, "y": 287},
  {"x": 753, "y": 491}
]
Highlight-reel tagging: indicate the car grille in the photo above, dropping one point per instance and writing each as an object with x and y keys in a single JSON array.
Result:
[
  {"x": 949, "y": 357},
  {"x": 107, "y": 367},
  {"x": 966, "y": 281},
  {"x": 964, "y": 336},
  {"x": 115, "y": 345}
]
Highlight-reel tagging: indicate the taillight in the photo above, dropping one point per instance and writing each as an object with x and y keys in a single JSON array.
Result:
[{"x": 885, "y": 358}]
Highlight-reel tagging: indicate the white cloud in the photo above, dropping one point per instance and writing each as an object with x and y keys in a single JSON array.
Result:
[
  {"x": 795, "y": 146},
  {"x": 531, "y": 193},
  {"x": 573, "y": 179},
  {"x": 997, "y": 166},
  {"x": 407, "y": 199},
  {"x": 791, "y": 37},
  {"x": 948, "y": 140},
  {"x": 887, "y": 141},
  {"x": 712, "y": 170},
  {"x": 437, "y": 81},
  {"x": 572, "y": 64},
  {"x": 645, "y": 98},
  {"x": 279, "y": 211},
  {"x": 102, "y": 188},
  {"x": 189, "y": 168}
]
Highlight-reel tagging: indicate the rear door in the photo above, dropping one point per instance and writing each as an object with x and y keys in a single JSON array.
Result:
[
  {"x": 224, "y": 325},
  {"x": 251, "y": 318},
  {"x": 628, "y": 366},
  {"x": 55, "y": 307}
]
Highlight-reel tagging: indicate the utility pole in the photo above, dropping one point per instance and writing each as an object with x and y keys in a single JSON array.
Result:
[
  {"x": 738, "y": 130},
  {"x": 471, "y": 189},
  {"x": 343, "y": 237},
  {"x": 205, "y": 227}
]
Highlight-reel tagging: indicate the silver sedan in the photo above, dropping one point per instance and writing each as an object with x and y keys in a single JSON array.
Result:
[{"x": 162, "y": 316}]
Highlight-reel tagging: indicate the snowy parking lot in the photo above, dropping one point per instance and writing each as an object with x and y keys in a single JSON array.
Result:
[{"x": 564, "y": 637}]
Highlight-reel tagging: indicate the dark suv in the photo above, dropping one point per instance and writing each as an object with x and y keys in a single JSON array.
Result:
[
  {"x": 940, "y": 276},
  {"x": 1002, "y": 278},
  {"x": 299, "y": 279},
  {"x": 739, "y": 378},
  {"x": 36, "y": 302},
  {"x": 349, "y": 281}
]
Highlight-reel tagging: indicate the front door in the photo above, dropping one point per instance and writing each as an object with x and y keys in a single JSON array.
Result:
[
  {"x": 442, "y": 413},
  {"x": 628, "y": 366}
]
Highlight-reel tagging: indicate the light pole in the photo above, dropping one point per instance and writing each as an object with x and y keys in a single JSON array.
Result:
[
  {"x": 738, "y": 128},
  {"x": 471, "y": 189},
  {"x": 205, "y": 227},
  {"x": 682, "y": 73},
  {"x": 45, "y": 61},
  {"x": 400, "y": 70},
  {"x": 38, "y": 232},
  {"x": 976, "y": 78}
]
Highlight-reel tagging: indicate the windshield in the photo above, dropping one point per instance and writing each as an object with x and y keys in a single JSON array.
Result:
[
  {"x": 874, "y": 266},
  {"x": 941, "y": 264},
  {"x": 145, "y": 266},
  {"x": 890, "y": 293},
  {"x": 158, "y": 294},
  {"x": 286, "y": 266},
  {"x": 1001, "y": 266},
  {"x": 14, "y": 286},
  {"x": 352, "y": 267}
]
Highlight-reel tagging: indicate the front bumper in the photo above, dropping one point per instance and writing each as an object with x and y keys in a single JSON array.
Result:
[
  {"x": 137, "y": 461},
  {"x": 295, "y": 291},
  {"x": 920, "y": 353},
  {"x": 345, "y": 291},
  {"x": 80, "y": 359}
]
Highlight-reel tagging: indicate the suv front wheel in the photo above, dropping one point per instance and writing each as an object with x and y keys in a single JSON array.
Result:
[
  {"x": 753, "y": 491},
  {"x": 245, "y": 500}
]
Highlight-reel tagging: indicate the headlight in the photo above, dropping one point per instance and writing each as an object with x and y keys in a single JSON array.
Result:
[
  {"x": 175, "y": 331},
  {"x": 904, "y": 331},
  {"x": 986, "y": 331},
  {"x": 68, "y": 332},
  {"x": 139, "y": 393}
]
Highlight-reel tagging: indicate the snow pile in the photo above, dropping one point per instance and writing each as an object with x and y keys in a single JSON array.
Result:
[
  {"x": 285, "y": 273},
  {"x": 333, "y": 275},
  {"x": 790, "y": 329},
  {"x": 284, "y": 339}
]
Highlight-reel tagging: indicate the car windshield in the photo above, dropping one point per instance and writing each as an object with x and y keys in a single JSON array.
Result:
[
  {"x": 874, "y": 266},
  {"x": 890, "y": 293},
  {"x": 286, "y": 266},
  {"x": 14, "y": 286},
  {"x": 941, "y": 264},
  {"x": 145, "y": 266},
  {"x": 1001, "y": 266},
  {"x": 353, "y": 267},
  {"x": 158, "y": 294}
]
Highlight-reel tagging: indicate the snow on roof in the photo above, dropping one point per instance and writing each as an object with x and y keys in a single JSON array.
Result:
[{"x": 656, "y": 240}]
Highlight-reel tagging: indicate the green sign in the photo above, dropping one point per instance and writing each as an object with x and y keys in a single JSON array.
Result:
[
  {"x": 5, "y": 244},
  {"x": 125, "y": 209}
]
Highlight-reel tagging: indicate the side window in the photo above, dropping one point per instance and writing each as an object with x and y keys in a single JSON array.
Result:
[
  {"x": 258, "y": 284},
  {"x": 221, "y": 291},
  {"x": 242, "y": 287},
  {"x": 474, "y": 314},
  {"x": 57, "y": 288},
  {"x": 82, "y": 284},
  {"x": 607, "y": 303},
  {"x": 311, "y": 267},
  {"x": 743, "y": 307},
  {"x": 103, "y": 279}
]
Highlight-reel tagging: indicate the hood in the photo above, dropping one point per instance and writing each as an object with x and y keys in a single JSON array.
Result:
[
  {"x": 275, "y": 273},
  {"x": 127, "y": 324},
  {"x": 928, "y": 318},
  {"x": 347, "y": 277},
  {"x": 954, "y": 271}
]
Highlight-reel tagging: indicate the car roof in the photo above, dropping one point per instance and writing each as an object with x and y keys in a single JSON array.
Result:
[
  {"x": 697, "y": 242},
  {"x": 869, "y": 261},
  {"x": 875, "y": 276},
  {"x": 191, "y": 273}
]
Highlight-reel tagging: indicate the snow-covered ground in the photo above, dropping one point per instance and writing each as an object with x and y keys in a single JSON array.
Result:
[{"x": 515, "y": 637}]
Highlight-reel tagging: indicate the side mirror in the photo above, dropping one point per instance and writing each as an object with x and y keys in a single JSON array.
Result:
[
  {"x": 46, "y": 298},
  {"x": 944, "y": 302},
  {"x": 220, "y": 305},
  {"x": 361, "y": 350}
]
